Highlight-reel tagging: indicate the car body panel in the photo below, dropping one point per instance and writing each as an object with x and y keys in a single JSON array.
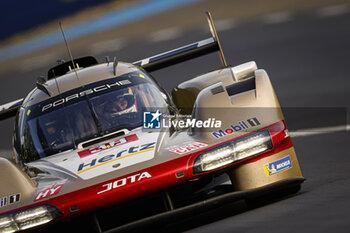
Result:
[{"x": 115, "y": 167}]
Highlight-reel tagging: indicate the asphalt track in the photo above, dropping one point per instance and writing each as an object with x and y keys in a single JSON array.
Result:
[{"x": 307, "y": 55}]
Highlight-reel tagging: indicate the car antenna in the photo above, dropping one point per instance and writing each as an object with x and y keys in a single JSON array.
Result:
[
  {"x": 215, "y": 35},
  {"x": 58, "y": 88},
  {"x": 69, "y": 52},
  {"x": 99, "y": 126}
]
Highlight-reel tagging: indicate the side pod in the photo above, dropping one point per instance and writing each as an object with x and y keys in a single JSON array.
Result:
[{"x": 16, "y": 186}]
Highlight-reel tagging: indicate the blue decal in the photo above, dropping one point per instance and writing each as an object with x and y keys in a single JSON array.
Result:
[
  {"x": 278, "y": 166},
  {"x": 241, "y": 125},
  {"x": 3, "y": 201}
]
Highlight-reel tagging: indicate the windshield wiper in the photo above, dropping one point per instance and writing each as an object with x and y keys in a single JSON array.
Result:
[{"x": 94, "y": 116}]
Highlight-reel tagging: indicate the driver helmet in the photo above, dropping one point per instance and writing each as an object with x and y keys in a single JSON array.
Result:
[{"x": 124, "y": 102}]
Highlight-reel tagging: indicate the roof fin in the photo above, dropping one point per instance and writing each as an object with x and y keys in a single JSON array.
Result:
[
  {"x": 107, "y": 60},
  {"x": 40, "y": 84},
  {"x": 115, "y": 63},
  {"x": 60, "y": 61}
]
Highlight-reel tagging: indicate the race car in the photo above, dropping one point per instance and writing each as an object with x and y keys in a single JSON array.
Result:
[{"x": 104, "y": 142}]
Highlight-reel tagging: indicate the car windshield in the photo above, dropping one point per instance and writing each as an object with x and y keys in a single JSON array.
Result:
[{"x": 62, "y": 123}]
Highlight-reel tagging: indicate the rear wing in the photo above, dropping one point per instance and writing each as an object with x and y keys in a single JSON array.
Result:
[
  {"x": 153, "y": 63},
  {"x": 186, "y": 52},
  {"x": 178, "y": 55}
]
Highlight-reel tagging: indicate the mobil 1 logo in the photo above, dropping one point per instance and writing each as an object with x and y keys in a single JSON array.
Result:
[
  {"x": 253, "y": 122},
  {"x": 236, "y": 127},
  {"x": 8, "y": 200}
]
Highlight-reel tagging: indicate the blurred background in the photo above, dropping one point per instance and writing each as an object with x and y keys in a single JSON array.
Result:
[{"x": 303, "y": 45}]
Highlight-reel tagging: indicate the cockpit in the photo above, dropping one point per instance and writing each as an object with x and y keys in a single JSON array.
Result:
[{"x": 63, "y": 122}]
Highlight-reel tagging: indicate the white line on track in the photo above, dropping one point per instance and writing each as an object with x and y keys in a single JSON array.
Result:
[
  {"x": 107, "y": 46},
  {"x": 317, "y": 131},
  {"x": 334, "y": 10},
  {"x": 221, "y": 25},
  {"x": 165, "y": 34},
  {"x": 277, "y": 17},
  {"x": 224, "y": 24}
]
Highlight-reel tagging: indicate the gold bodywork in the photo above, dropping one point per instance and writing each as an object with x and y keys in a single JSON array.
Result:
[
  {"x": 201, "y": 98},
  {"x": 14, "y": 181},
  {"x": 253, "y": 175}
]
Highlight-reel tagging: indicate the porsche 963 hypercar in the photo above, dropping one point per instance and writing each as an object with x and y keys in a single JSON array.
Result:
[{"x": 99, "y": 141}]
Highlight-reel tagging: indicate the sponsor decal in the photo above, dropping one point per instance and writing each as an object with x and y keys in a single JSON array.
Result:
[
  {"x": 278, "y": 166},
  {"x": 108, "y": 145},
  {"x": 3, "y": 201},
  {"x": 187, "y": 148},
  {"x": 84, "y": 93},
  {"x": 133, "y": 150},
  {"x": 124, "y": 181},
  {"x": 157, "y": 120},
  {"x": 11, "y": 199},
  {"x": 241, "y": 125},
  {"x": 50, "y": 191},
  {"x": 14, "y": 198},
  {"x": 152, "y": 120}
]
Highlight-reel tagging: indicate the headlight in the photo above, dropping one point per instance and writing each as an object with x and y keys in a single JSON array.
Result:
[
  {"x": 28, "y": 218},
  {"x": 233, "y": 151}
]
